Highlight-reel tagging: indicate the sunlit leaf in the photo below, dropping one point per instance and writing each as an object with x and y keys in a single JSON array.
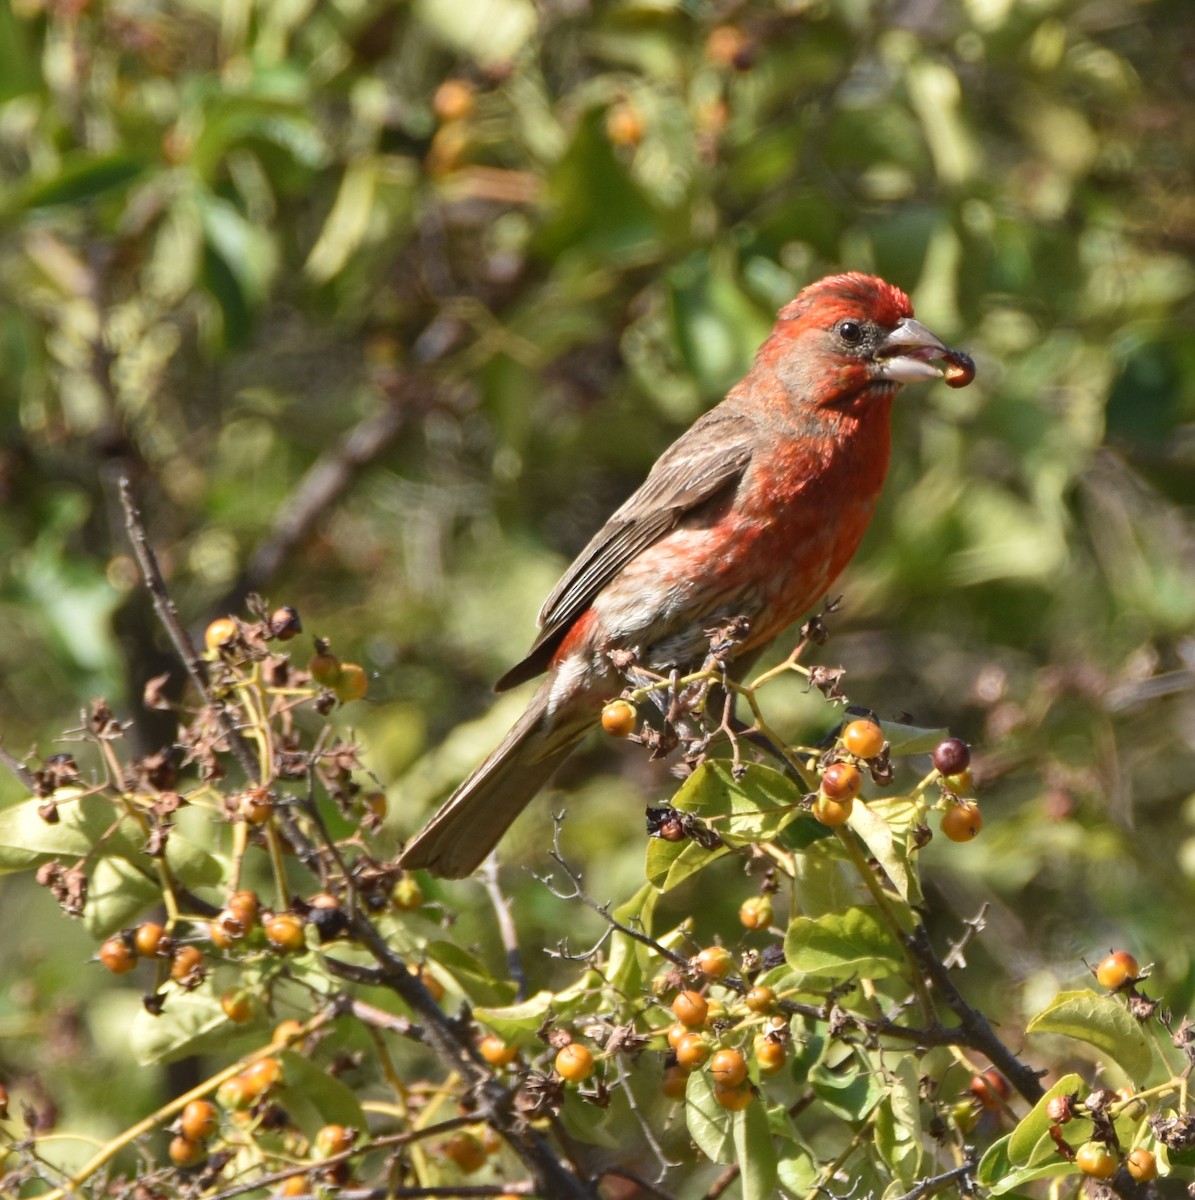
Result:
[
  {"x": 1102, "y": 1022},
  {"x": 855, "y": 941}
]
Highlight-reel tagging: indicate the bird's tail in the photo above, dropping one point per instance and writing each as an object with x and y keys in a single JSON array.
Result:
[{"x": 470, "y": 822}]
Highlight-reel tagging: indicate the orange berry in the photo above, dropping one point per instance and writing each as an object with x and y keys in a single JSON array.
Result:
[
  {"x": 466, "y": 1150},
  {"x": 185, "y": 1153},
  {"x": 841, "y": 781},
  {"x": 261, "y": 1076},
  {"x": 715, "y": 962},
  {"x": 199, "y": 1120},
  {"x": 734, "y": 1098},
  {"x": 728, "y": 1068},
  {"x": 1118, "y": 970},
  {"x": 220, "y": 633},
  {"x": 186, "y": 964},
  {"x": 675, "y": 1033},
  {"x": 574, "y": 1063},
  {"x": 496, "y": 1051},
  {"x": 962, "y": 821},
  {"x": 674, "y": 1083},
  {"x": 295, "y": 1185},
  {"x": 324, "y": 668},
  {"x": 619, "y": 718},
  {"x": 1142, "y": 1164},
  {"x": 352, "y": 683},
  {"x": 761, "y": 999},
  {"x": 429, "y": 981},
  {"x": 285, "y": 623},
  {"x": 286, "y": 1032},
  {"x": 770, "y": 1054},
  {"x": 692, "y": 1050},
  {"x": 625, "y": 125},
  {"x": 1096, "y": 1160},
  {"x": 225, "y": 930},
  {"x": 245, "y": 907},
  {"x": 831, "y": 812},
  {"x": 117, "y": 955},
  {"x": 334, "y": 1139},
  {"x": 690, "y": 1008},
  {"x": 235, "y": 1094},
  {"x": 148, "y": 938},
  {"x": 284, "y": 931},
  {"x": 255, "y": 805},
  {"x": 453, "y": 100},
  {"x": 237, "y": 1006},
  {"x": 756, "y": 912},
  {"x": 990, "y": 1088},
  {"x": 863, "y": 738},
  {"x": 724, "y": 44}
]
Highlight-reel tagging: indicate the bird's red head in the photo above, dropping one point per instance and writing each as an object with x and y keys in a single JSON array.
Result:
[
  {"x": 849, "y": 341},
  {"x": 848, "y": 295}
]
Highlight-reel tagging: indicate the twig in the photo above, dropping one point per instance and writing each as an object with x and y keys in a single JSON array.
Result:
[
  {"x": 974, "y": 1028},
  {"x": 18, "y": 768},
  {"x": 936, "y": 1183},
  {"x": 151, "y": 573},
  {"x": 378, "y": 1143},
  {"x": 506, "y": 925},
  {"x": 723, "y": 1182}
]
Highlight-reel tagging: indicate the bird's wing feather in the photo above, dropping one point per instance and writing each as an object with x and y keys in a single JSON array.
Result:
[{"x": 698, "y": 466}]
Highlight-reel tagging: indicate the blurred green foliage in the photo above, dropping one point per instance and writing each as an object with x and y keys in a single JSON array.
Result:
[{"x": 385, "y": 306}]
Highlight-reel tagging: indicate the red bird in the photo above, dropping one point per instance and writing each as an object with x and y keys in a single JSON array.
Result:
[{"x": 753, "y": 512}]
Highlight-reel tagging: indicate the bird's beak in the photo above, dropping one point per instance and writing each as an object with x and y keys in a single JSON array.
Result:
[{"x": 907, "y": 354}]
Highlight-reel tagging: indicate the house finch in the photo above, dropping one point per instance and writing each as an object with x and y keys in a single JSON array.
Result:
[{"x": 752, "y": 513}]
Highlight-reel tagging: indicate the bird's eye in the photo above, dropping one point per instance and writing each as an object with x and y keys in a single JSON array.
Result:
[{"x": 851, "y": 332}]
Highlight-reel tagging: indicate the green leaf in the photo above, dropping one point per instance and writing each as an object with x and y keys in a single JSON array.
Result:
[
  {"x": 798, "y": 1173},
  {"x": 709, "y": 1123},
  {"x": 851, "y": 1092},
  {"x": 470, "y": 974},
  {"x": 671, "y": 863},
  {"x": 83, "y": 178},
  {"x": 889, "y": 847},
  {"x": 1102, "y": 1022},
  {"x": 840, "y": 944},
  {"x": 755, "y": 1151},
  {"x": 999, "y": 1175},
  {"x": 27, "y": 841},
  {"x": 628, "y": 957},
  {"x": 1025, "y": 1142},
  {"x": 306, "y": 1083},
  {"x": 511, "y": 1020},
  {"x": 898, "y": 1123},
  {"x": 117, "y": 890},
  {"x": 755, "y": 807},
  {"x": 191, "y": 1023},
  {"x": 911, "y": 739}
]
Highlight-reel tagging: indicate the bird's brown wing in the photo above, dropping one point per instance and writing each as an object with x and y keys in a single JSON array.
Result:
[{"x": 701, "y": 465}]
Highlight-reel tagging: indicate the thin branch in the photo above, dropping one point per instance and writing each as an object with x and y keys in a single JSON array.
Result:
[
  {"x": 18, "y": 768},
  {"x": 151, "y": 573},
  {"x": 974, "y": 1028},
  {"x": 506, "y": 925},
  {"x": 937, "y": 1183}
]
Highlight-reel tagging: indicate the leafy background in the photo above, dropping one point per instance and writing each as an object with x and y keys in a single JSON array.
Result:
[{"x": 384, "y": 307}]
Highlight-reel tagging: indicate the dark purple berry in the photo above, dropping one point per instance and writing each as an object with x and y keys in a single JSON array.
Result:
[{"x": 952, "y": 756}]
